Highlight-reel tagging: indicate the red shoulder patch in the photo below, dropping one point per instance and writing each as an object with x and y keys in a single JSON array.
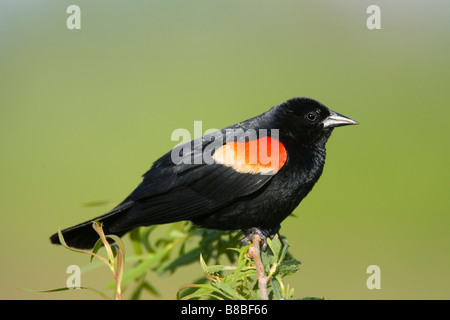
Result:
[{"x": 264, "y": 156}]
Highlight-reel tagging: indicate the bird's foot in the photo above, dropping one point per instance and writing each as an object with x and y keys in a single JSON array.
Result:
[{"x": 262, "y": 233}]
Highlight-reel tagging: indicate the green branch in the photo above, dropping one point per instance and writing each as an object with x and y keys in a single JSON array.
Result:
[{"x": 231, "y": 271}]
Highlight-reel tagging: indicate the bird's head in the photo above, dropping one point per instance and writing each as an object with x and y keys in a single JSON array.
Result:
[{"x": 307, "y": 121}]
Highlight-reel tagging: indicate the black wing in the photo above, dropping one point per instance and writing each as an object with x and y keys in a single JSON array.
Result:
[{"x": 186, "y": 188}]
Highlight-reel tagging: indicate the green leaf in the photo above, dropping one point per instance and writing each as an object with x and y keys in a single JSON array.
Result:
[
  {"x": 284, "y": 250},
  {"x": 288, "y": 267},
  {"x": 275, "y": 247},
  {"x": 135, "y": 236},
  {"x": 177, "y": 234},
  {"x": 145, "y": 265},
  {"x": 227, "y": 291},
  {"x": 64, "y": 244},
  {"x": 276, "y": 289},
  {"x": 242, "y": 262},
  {"x": 97, "y": 247},
  {"x": 203, "y": 290},
  {"x": 312, "y": 298},
  {"x": 144, "y": 286},
  {"x": 145, "y": 238},
  {"x": 94, "y": 203},
  {"x": 203, "y": 264},
  {"x": 219, "y": 268},
  {"x": 117, "y": 241},
  {"x": 69, "y": 289},
  {"x": 179, "y": 261}
]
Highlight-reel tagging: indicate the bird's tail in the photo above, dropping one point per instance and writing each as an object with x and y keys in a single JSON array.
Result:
[{"x": 83, "y": 236}]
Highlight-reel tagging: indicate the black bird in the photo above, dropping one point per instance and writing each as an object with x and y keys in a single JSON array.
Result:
[{"x": 249, "y": 176}]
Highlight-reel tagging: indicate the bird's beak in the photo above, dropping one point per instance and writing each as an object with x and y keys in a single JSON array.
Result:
[{"x": 337, "y": 120}]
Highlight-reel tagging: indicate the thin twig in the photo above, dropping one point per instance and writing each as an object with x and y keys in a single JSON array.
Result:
[{"x": 254, "y": 252}]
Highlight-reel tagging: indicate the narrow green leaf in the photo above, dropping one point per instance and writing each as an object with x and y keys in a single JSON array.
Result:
[
  {"x": 145, "y": 265},
  {"x": 284, "y": 250},
  {"x": 177, "y": 234},
  {"x": 275, "y": 247},
  {"x": 64, "y": 244},
  {"x": 276, "y": 289},
  {"x": 135, "y": 237},
  {"x": 242, "y": 262},
  {"x": 227, "y": 290},
  {"x": 203, "y": 264},
  {"x": 219, "y": 268},
  {"x": 202, "y": 291},
  {"x": 69, "y": 289},
  {"x": 117, "y": 241},
  {"x": 99, "y": 229},
  {"x": 143, "y": 286},
  {"x": 181, "y": 260},
  {"x": 94, "y": 203},
  {"x": 97, "y": 247}
]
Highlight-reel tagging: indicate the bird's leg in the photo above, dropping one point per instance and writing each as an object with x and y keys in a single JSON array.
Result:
[{"x": 262, "y": 233}]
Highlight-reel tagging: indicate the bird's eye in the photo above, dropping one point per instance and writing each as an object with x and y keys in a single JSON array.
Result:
[{"x": 311, "y": 116}]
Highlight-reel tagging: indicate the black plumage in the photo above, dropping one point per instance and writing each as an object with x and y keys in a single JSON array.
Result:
[{"x": 223, "y": 195}]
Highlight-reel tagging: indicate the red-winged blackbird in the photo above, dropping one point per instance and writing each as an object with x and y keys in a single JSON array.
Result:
[{"x": 249, "y": 176}]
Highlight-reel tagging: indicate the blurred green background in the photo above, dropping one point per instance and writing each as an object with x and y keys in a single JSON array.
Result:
[{"x": 83, "y": 113}]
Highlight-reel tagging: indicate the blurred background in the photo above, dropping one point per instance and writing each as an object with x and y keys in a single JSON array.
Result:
[{"x": 84, "y": 113}]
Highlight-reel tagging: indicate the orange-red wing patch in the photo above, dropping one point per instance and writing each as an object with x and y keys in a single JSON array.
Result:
[{"x": 264, "y": 156}]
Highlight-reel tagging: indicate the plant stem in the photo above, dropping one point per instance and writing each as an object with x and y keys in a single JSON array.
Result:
[
  {"x": 118, "y": 288},
  {"x": 254, "y": 252}
]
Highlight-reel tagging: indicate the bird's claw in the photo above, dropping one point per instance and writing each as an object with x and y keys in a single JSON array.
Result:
[{"x": 262, "y": 233}]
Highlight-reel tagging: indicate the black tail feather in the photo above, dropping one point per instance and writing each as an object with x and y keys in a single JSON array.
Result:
[{"x": 83, "y": 235}]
